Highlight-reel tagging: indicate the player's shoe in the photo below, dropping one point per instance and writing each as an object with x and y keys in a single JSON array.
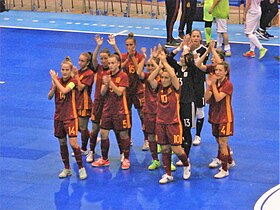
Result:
[
  {"x": 231, "y": 165},
  {"x": 215, "y": 163},
  {"x": 228, "y": 53},
  {"x": 250, "y": 54},
  {"x": 154, "y": 165},
  {"x": 84, "y": 153},
  {"x": 64, "y": 173},
  {"x": 82, "y": 173},
  {"x": 165, "y": 179},
  {"x": 262, "y": 52},
  {"x": 221, "y": 174},
  {"x": 196, "y": 140},
  {"x": 173, "y": 44},
  {"x": 179, "y": 163},
  {"x": 101, "y": 162},
  {"x": 261, "y": 34},
  {"x": 90, "y": 157},
  {"x": 181, "y": 36},
  {"x": 187, "y": 172},
  {"x": 145, "y": 146},
  {"x": 125, "y": 164}
]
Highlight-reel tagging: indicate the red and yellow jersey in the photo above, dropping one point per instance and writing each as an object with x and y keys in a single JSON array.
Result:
[
  {"x": 150, "y": 100},
  {"x": 65, "y": 104},
  {"x": 114, "y": 104},
  {"x": 83, "y": 98},
  {"x": 168, "y": 105},
  {"x": 101, "y": 71},
  {"x": 221, "y": 112},
  {"x": 135, "y": 85}
]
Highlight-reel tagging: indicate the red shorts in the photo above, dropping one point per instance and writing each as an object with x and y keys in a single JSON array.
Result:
[
  {"x": 84, "y": 112},
  {"x": 136, "y": 99},
  {"x": 169, "y": 134},
  {"x": 115, "y": 122},
  {"x": 222, "y": 130},
  {"x": 149, "y": 123},
  {"x": 66, "y": 127},
  {"x": 97, "y": 111}
]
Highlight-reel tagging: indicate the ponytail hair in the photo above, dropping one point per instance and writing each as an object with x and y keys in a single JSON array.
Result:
[
  {"x": 68, "y": 61},
  {"x": 131, "y": 36}
]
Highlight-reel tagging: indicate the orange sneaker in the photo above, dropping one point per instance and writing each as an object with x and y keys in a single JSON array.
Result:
[
  {"x": 249, "y": 54},
  {"x": 100, "y": 162},
  {"x": 125, "y": 164}
]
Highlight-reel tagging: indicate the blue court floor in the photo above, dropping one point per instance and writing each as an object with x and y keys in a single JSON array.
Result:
[{"x": 29, "y": 153}]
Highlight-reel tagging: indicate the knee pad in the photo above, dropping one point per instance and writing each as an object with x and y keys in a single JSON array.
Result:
[{"x": 200, "y": 113}]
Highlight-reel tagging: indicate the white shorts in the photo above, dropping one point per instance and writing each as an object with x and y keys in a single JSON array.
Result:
[
  {"x": 252, "y": 22},
  {"x": 221, "y": 25}
]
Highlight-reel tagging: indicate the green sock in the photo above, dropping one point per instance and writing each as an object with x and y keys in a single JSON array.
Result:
[{"x": 208, "y": 32}]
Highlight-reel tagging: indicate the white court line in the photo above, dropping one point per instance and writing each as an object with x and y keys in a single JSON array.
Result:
[
  {"x": 269, "y": 200},
  {"x": 2, "y": 82},
  {"x": 120, "y": 33},
  {"x": 102, "y": 32}
]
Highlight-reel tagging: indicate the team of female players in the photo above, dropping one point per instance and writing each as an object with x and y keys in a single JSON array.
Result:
[{"x": 168, "y": 97}]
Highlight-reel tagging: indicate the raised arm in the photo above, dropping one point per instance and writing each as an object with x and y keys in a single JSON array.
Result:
[
  {"x": 152, "y": 78},
  {"x": 170, "y": 70},
  {"x": 140, "y": 68},
  {"x": 112, "y": 42},
  {"x": 99, "y": 42}
]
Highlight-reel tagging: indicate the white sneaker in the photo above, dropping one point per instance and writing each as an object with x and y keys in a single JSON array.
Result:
[
  {"x": 145, "y": 146},
  {"x": 64, "y": 173},
  {"x": 187, "y": 172},
  {"x": 90, "y": 157},
  {"x": 215, "y": 163},
  {"x": 232, "y": 164},
  {"x": 122, "y": 157},
  {"x": 82, "y": 173},
  {"x": 196, "y": 140},
  {"x": 84, "y": 153},
  {"x": 165, "y": 179},
  {"x": 179, "y": 163},
  {"x": 221, "y": 174}
]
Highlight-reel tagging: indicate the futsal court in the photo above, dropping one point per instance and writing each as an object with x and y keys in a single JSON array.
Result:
[{"x": 32, "y": 43}]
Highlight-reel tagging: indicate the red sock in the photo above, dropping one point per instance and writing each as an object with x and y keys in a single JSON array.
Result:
[
  {"x": 184, "y": 159},
  {"x": 224, "y": 159},
  {"x": 153, "y": 149},
  {"x": 93, "y": 140},
  {"x": 166, "y": 159},
  {"x": 78, "y": 156},
  {"x": 84, "y": 137},
  {"x": 230, "y": 158},
  {"x": 105, "y": 145},
  {"x": 65, "y": 155},
  {"x": 126, "y": 147}
]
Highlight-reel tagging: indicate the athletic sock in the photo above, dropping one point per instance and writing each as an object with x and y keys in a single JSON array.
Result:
[
  {"x": 78, "y": 156},
  {"x": 65, "y": 155},
  {"x": 166, "y": 160},
  {"x": 84, "y": 137},
  {"x": 208, "y": 32},
  {"x": 105, "y": 145},
  {"x": 199, "y": 124}
]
